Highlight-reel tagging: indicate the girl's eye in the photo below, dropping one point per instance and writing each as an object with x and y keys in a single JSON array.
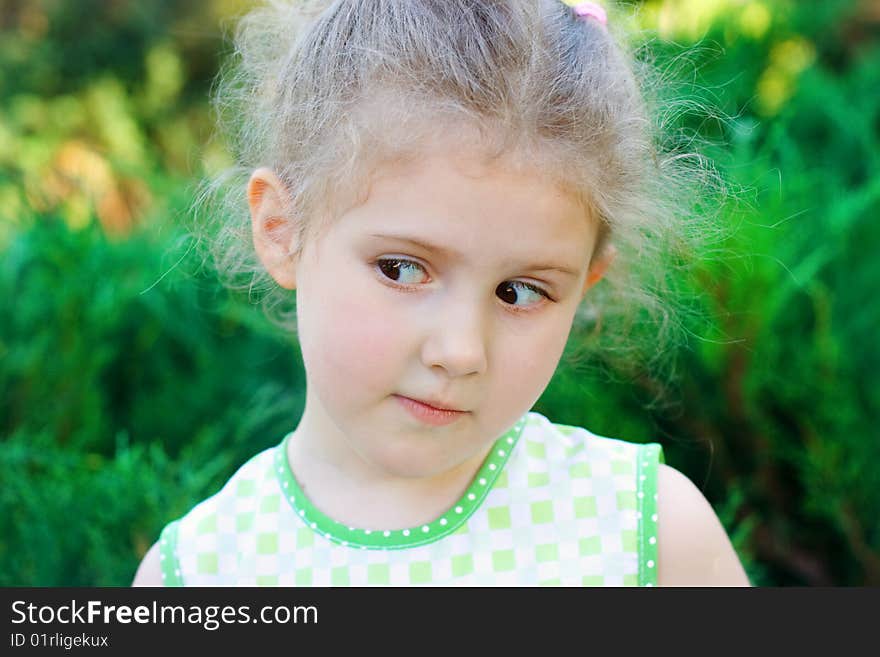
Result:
[
  {"x": 400, "y": 270},
  {"x": 513, "y": 291},
  {"x": 407, "y": 272}
]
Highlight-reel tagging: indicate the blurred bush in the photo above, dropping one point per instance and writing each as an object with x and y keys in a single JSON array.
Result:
[
  {"x": 774, "y": 409},
  {"x": 131, "y": 386}
]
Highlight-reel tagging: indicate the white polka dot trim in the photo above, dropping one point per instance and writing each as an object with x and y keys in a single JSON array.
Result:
[{"x": 646, "y": 487}]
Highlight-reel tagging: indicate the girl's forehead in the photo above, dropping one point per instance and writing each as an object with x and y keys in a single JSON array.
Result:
[
  {"x": 464, "y": 206},
  {"x": 471, "y": 182},
  {"x": 473, "y": 148}
]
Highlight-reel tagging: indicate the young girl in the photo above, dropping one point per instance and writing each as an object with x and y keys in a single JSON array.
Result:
[{"x": 443, "y": 184}]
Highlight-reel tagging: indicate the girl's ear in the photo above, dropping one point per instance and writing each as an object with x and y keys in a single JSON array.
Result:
[
  {"x": 599, "y": 266},
  {"x": 274, "y": 231}
]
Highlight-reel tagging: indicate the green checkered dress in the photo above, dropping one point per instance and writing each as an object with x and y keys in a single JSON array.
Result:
[{"x": 551, "y": 505}]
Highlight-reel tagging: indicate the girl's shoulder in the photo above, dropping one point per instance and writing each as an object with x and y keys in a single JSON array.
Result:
[
  {"x": 241, "y": 491},
  {"x": 690, "y": 546},
  {"x": 695, "y": 549},
  {"x": 567, "y": 445},
  {"x": 606, "y": 487},
  {"x": 205, "y": 528}
]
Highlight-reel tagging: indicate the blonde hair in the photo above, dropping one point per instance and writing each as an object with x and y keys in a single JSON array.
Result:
[{"x": 323, "y": 92}]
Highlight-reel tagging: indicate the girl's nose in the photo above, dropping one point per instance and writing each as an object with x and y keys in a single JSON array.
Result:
[{"x": 456, "y": 340}]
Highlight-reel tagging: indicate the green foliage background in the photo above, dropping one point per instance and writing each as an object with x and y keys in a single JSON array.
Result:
[{"x": 132, "y": 385}]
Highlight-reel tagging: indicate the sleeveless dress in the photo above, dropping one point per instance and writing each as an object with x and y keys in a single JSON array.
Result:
[{"x": 551, "y": 505}]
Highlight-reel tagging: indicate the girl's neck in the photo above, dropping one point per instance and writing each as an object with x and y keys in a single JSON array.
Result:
[{"x": 351, "y": 491}]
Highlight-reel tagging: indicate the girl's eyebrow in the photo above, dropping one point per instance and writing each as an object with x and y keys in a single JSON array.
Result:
[{"x": 450, "y": 254}]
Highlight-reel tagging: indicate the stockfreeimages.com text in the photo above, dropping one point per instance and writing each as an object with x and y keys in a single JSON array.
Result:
[{"x": 211, "y": 617}]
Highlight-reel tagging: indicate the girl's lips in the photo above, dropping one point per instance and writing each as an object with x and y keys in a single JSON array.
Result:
[{"x": 428, "y": 414}]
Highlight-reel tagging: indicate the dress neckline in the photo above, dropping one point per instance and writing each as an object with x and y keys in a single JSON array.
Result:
[{"x": 389, "y": 539}]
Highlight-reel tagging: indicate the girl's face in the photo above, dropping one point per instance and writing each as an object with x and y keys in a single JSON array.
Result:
[{"x": 452, "y": 283}]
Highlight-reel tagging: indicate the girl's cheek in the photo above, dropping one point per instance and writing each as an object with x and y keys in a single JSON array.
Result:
[
  {"x": 361, "y": 335},
  {"x": 537, "y": 358}
]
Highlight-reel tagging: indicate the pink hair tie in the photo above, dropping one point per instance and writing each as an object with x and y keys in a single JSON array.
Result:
[{"x": 585, "y": 10}]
